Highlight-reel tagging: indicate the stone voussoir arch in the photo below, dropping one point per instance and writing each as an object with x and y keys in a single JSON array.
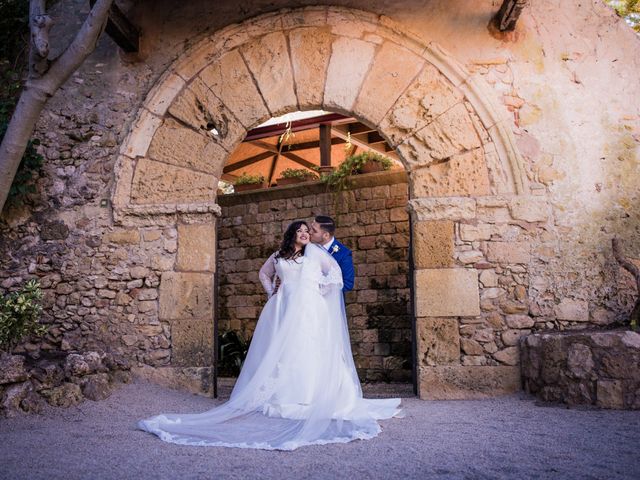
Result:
[{"x": 451, "y": 134}]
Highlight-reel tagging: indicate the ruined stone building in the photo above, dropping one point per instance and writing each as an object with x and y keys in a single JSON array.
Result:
[{"x": 520, "y": 162}]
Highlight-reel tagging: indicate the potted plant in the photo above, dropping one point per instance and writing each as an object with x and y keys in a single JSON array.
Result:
[
  {"x": 295, "y": 175},
  {"x": 248, "y": 182},
  {"x": 369, "y": 162}
]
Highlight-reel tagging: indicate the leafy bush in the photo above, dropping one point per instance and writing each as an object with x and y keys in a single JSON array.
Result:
[
  {"x": 246, "y": 179},
  {"x": 19, "y": 314},
  {"x": 300, "y": 173},
  {"x": 232, "y": 351}
]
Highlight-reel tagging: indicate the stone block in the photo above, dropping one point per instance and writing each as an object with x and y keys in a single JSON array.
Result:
[
  {"x": 529, "y": 209},
  {"x": 519, "y": 321},
  {"x": 268, "y": 60},
  {"x": 161, "y": 97},
  {"x": 348, "y": 66},
  {"x": 391, "y": 72},
  {"x": 465, "y": 174},
  {"x": 438, "y": 341},
  {"x": 474, "y": 233},
  {"x": 12, "y": 369},
  {"x": 192, "y": 342},
  {"x": 198, "y": 107},
  {"x": 137, "y": 143},
  {"x": 450, "y": 134},
  {"x": 433, "y": 244},
  {"x": 572, "y": 310},
  {"x": 186, "y": 295},
  {"x": 157, "y": 183},
  {"x": 508, "y": 252},
  {"x": 197, "y": 248},
  {"x": 176, "y": 145},
  {"x": 508, "y": 356},
  {"x": 123, "y": 237},
  {"x": 227, "y": 77},
  {"x": 443, "y": 208},
  {"x": 447, "y": 292},
  {"x": 609, "y": 394},
  {"x": 310, "y": 53},
  {"x": 457, "y": 382},
  {"x": 430, "y": 95}
]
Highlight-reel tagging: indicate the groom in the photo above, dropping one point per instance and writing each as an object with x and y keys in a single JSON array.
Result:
[{"x": 321, "y": 233}]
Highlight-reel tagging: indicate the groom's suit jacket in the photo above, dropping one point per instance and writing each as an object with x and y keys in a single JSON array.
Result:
[{"x": 344, "y": 258}]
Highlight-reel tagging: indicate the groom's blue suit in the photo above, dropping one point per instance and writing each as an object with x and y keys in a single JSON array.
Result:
[{"x": 344, "y": 258}]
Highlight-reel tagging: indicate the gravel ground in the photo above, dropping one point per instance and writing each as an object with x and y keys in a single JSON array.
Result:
[{"x": 504, "y": 438}]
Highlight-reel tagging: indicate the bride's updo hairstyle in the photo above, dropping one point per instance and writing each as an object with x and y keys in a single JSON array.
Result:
[{"x": 287, "y": 247}]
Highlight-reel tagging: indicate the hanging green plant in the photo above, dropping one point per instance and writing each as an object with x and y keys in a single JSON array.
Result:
[{"x": 338, "y": 180}]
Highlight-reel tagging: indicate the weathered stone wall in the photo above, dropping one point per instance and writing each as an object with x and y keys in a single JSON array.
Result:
[
  {"x": 584, "y": 368},
  {"x": 562, "y": 87},
  {"x": 373, "y": 222}
]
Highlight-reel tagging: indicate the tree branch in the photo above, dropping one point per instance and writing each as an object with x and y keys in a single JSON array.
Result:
[
  {"x": 39, "y": 23},
  {"x": 38, "y": 90}
]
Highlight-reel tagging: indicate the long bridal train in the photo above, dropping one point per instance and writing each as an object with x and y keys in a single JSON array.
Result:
[{"x": 298, "y": 385}]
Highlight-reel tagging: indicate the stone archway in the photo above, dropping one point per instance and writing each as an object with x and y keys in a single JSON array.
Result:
[{"x": 452, "y": 137}]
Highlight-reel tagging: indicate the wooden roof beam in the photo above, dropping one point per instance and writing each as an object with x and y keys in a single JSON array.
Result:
[
  {"x": 121, "y": 30},
  {"x": 245, "y": 163}
]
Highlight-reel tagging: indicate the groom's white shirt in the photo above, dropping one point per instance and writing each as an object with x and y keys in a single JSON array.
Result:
[{"x": 329, "y": 243}]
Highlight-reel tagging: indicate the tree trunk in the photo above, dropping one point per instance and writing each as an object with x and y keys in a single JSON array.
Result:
[{"x": 38, "y": 90}]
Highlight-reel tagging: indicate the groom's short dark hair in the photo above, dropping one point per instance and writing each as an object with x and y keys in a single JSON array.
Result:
[{"x": 326, "y": 223}]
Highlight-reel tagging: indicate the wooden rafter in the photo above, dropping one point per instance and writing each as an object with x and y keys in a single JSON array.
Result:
[
  {"x": 285, "y": 152},
  {"x": 245, "y": 163},
  {"x": 296, "y": 147},
  {"x": 355, "y": 140},
  {"x": 121, "y": 30}
]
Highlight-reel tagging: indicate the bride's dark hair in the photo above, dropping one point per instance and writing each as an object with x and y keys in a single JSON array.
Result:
[{"x": 287, "y": 247}]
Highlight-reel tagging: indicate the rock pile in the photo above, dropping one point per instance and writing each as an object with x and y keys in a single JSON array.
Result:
[{"x": 26, "y": 385}]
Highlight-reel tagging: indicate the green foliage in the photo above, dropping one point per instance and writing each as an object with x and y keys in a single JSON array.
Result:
[
  {"x": 339, "y": 178},
  {"x": 300, "y": 173},
  {"x": 629, "y": 10},
  {"x": 232, "y": 351},
  {"x": 246, "y": 179},
  {"x": 19, "y": 314},
  {"x": 14, "y": 31}
]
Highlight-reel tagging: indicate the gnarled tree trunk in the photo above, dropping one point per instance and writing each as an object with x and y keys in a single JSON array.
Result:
[
  {"x": 45, "y": 77},
  {"x": 633, "y": 270}
]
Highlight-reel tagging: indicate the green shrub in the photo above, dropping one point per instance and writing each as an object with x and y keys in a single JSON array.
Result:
[
  {"x": 246, "y": 179},
  {"x": 300, "y": 173},
  {"x": 19, "y": 315},
  {"x": 232, "y": 351}
]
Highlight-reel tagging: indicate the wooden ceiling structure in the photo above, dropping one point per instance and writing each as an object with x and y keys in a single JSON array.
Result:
[{"x": 310, "y": 143}]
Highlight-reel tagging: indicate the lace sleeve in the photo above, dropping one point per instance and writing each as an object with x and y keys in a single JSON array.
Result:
[
  {"x": 267, "y": 275},
  {"x": 331, "y": 275}
]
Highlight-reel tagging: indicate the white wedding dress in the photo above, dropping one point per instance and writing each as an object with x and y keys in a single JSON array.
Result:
[{"x": 298, "y": 385}]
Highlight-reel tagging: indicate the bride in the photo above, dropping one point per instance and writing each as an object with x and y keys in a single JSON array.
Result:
[{"x": 298, "y": 385}]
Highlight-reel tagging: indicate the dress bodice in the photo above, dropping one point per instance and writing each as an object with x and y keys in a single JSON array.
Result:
[{"x": 289, "y": 270}]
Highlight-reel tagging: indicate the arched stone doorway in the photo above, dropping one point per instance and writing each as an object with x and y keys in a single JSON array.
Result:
[{"x": 450, "y": 134}]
